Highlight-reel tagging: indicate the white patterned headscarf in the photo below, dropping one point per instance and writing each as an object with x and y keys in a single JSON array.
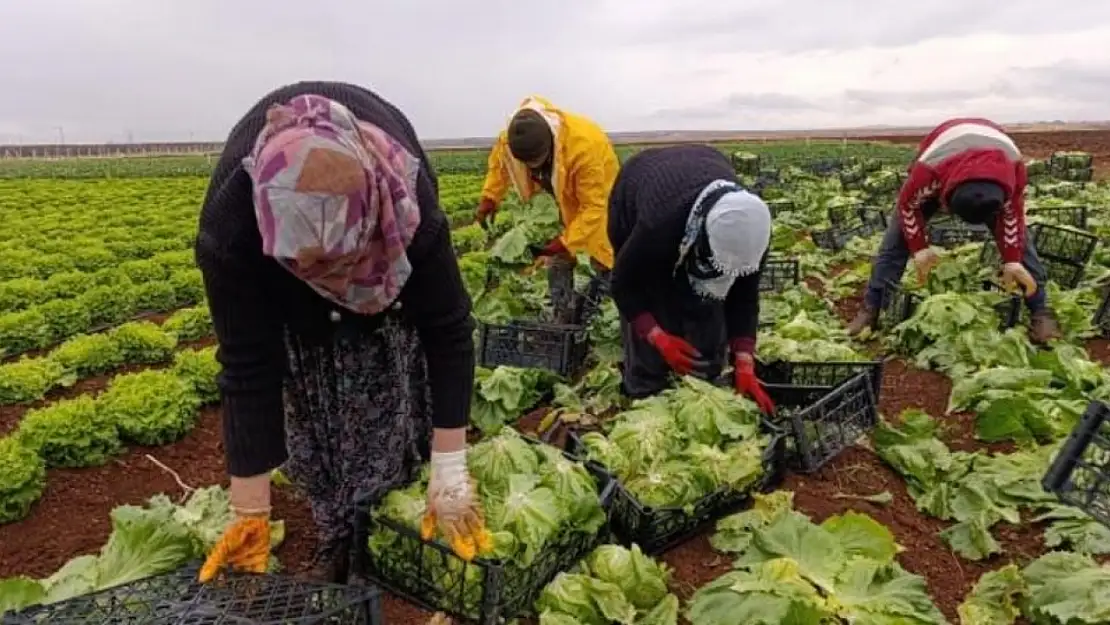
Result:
[{"x": 727, "y": 234}]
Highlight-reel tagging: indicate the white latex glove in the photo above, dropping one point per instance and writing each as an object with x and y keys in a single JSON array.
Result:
[
  {"x": 1015, "y": 274},
  {"x": 453, "y": 506},
  {"x": 924, "y": 261}
]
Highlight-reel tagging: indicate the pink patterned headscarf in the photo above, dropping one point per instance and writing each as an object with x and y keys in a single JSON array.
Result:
[{"x": 335, "y": 199}]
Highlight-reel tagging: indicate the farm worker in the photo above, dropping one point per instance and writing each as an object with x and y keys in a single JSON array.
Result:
[
  {"x": 690, "y": 246},
  {"x": 547, "y": 149},
  {"x": 968, "y": 167},
  {"x": 344, "y": 329}
]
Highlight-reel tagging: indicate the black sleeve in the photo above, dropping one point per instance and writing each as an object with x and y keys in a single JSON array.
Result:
[
  {"x": 252, "y": 358},
  {"x": 646, "y": 258},
  {"x": 742, "y": 312},
  {"x": 436, "y": 302}
]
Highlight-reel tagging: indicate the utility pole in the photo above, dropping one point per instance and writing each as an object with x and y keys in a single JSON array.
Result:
[{"x": 61, "y": 134}]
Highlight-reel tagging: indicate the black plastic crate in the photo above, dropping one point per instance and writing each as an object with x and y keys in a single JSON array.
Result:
[
  {"x": 1009, "y": 309},
  {"x": 844, "y": 215},
  {"x": 177, "y": 598},
  {"x": 896, "y": 306},
  {"x": 899, "y": 305},
  {"x": 1074, "y": 216},
  {"x": 802, "y": 384},
  {"x": 950, "y": 233},
  {"x": 658, "y": 529},
  {"x": 779, "y": 274},
  {"x": 866, "y": 223},
  {"x": 1080, "y": 473},
  {"x": 535, "y": 345},
  {"x": 1082, "y": 174},
  {"x": 483, "y": 591},
  {"x": 831, "y": 424},
  {"x": 780, "y": 205},
  {"x": 1064, "y": 251},
  {"x": 588, "y": 303},
  {"x": 1070, "y": 160},
  {"x": 1102, "y": 315}
]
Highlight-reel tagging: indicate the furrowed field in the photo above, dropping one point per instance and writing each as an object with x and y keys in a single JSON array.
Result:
[{"x": 937, "y": 515}]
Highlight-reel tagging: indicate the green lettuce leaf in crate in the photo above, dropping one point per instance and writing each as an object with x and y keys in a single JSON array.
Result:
[
  {"x": 531, "y": 496},
  {"x": 676, "y": 448}
]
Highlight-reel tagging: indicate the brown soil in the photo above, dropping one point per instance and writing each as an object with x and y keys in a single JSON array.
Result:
[
  {"x": 694, "y": 564},
  {"x": 859, "y": 472},
  {"x": 906, "y": 387},
  {"x": 1043, "y": 144},
  {"x": 1099, "y": 350}
]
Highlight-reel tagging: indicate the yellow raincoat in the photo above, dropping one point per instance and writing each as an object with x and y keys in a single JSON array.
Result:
[{"x": 582, "y": 175}]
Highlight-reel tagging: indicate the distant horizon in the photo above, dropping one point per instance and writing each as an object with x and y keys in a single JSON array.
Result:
[{"x": 653, "y": 136}]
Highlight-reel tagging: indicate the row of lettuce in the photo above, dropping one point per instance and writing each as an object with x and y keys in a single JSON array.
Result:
[
  {"x": 52, "y": 227},
  {"x": 146, "y": 408},
  {"x": 98, "y": 300},
  {"x": 134, "y": 343}
]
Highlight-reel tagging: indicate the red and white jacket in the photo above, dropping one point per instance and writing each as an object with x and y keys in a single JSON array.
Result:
[{"x": 957, "y": 151}]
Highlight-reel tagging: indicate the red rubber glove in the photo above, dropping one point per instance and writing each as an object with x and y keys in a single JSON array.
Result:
[
  {"x": 554, "y": 247},
  {"x": 487, "y": 210},
  {"x": 748, "y": 384},
  {"x": 680, "y": 355}
]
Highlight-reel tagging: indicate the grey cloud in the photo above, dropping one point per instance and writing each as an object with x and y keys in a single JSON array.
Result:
[
  {"x": 769, "y": 25},
  {"x": 110, "y": 70},
  {"x": 1068, "y": 81},
  {"x": 749, "y": 103},
  {"x": 106, "y": 69},
  {"x": 860, "y": 100}
]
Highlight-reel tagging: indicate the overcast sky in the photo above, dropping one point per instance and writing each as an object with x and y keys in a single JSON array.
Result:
[{"x": 146, "y": 70}]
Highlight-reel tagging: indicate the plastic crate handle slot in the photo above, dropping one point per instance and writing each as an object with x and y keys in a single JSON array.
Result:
[{"x": 1059, "y": 472}]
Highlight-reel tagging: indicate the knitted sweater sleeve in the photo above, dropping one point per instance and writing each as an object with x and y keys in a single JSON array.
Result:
[
  {"x": 436, "y": 302},
  {"x": 250, "y": 352},
  {"x": 645, "y": 259}
]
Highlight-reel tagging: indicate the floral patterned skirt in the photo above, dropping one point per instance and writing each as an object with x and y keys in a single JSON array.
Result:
[{"x": 358, "y": 421}]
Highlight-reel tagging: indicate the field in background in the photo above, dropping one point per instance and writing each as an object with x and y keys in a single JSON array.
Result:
[
  {"x": 1038, "y": 141},
  {"x": 112, "y": 226}
]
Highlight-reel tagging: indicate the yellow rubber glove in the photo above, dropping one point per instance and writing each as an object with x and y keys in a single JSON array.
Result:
[
  {"x": 1014, "y": 275},
  {"x": 244, "y": 547},
  {"x": 453, "y": 507},
  {"x": 245, "y": 544}
]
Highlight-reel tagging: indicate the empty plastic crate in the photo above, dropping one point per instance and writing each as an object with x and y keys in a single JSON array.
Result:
[
  {"x": 832, "y": 424},
  {"x": 533, "y": 344},
  {"x": 779, "y": 274},
  {"x": 867, "y": 222},
  {"x": 1074, "y": 216},
  {"x": 1064, "y": 252},
  {"x": 177, "y": 598},
  {"x": 804, "y": 383},
  {"x": 1080, "y": 473}
]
